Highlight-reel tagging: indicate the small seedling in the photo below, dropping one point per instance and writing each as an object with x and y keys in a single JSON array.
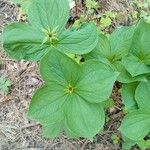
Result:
[
  {"x": 115, "y": 138},
  {"x": 4, "y": 85},
  {"x": 107, "y": 19},
  {"x": 92, "y": 4}
]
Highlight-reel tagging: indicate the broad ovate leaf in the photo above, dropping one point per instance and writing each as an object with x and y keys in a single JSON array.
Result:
[
  {"x": 71, "y": 98},
  {"x": 22, "y": 41},
  {"x": 100, "y": 77},
  {"x": 128, "y": 95},
  {"x": 114, "y": 47},
  {"x": 125, "y": 76},
  {"x": 127, "y": 143},
  {"x": 135, "y": 66},
  {"x": 141, "y": 42},
  {"x": 45, "y": 108},
  {"x": 142, "y": 95},
  {"x": 136, "y": 125},
  {"x": 137, "y": 62},
  {"x": 77, "y": 111},
  {"x": 58, "y": 68},
  {"x": 78, "y": 41},
  {"x": 102, "y": 50},
  {"x": 49, "y": 14},
  {"x": 120, "y": 41}
]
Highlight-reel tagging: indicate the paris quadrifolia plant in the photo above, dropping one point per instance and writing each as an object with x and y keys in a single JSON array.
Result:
[{"x": 72, "y": 99}]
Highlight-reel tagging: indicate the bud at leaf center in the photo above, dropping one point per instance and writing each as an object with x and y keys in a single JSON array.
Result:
[
  {"x": 69, "y": 89},
  {"x": 50, "y": 36}
]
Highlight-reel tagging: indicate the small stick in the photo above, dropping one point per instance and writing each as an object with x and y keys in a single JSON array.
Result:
[
  {"x": 29, "y": 126},
  {"x": 76, "y": 7}
]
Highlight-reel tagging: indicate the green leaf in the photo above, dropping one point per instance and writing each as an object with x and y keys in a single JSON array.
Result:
[
  {"x": 71, "y": 99},
  {"x": 4, "y": 85},
  {"x": 136, "y": 125},
  {"x": 108, "y": 103},
  {"x": 22, "y": 41},
  {"x": 115, "y": 138},
  {"x": 120, "y": 41},
  {"x": 91, "y": 4},
  {"x": 140, "y": 46},
  {"x": 49, "y": 14},
  {"x": 135, "y": 66},
  {"x": 137, "y": 62},
  {"x": 101, "y": 76},
  {"x": 58, "y": 68},
  {"x": 102, "y": 50},
  {"x": 79, "y": 41},
  {"x": 51, "y": 130},
  {"x": 144, "y": 144},
  {"x": 125, "y": 76},
  {"x": 47, "y": 108},
  {"x": 105, "y": 22},
  {"x": 114, "y": 48},
  {"x": 128, "y": 95},
  {"x": 127, "y": 143},
  {"x": 84, "y": 119},
  {"x": 142, "y": 95}
]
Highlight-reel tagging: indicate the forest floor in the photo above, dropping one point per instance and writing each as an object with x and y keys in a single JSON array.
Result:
[{"x": 19, "y": 133}]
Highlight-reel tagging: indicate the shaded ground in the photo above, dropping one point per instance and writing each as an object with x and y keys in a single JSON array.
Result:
[{"x": 16, "y": 131}]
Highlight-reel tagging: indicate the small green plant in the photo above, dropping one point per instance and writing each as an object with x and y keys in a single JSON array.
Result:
[
  {"x": 140, "y": 9},
  {"x": 107, "y": 19},
  {"x": 46, "y": 31},
  {"x": 115, "y": 138},
  {"x": 4, "y": 85},
  {"x": 92, "y": 4},
  {"x": 136, "y": 124},
  {"x": 70, "y": 100},
  {"x": 75, "y": 94},
  {"x": 74, "y": 101},
  {"x": 127, "y": 50}
]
